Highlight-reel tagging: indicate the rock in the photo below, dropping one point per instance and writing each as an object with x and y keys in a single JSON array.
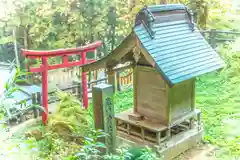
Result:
[{"x": 37, "y": 134}]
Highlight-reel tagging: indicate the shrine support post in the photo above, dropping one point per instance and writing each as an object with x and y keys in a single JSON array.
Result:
[{"x": 112, "y": 79}]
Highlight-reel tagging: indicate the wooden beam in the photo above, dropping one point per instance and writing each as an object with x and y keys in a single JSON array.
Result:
[
  {"x": 125, "y": 47},
  {"x": 135, "y": 91},
  {"x": 145, "y": 53},
  {"x": 131, "y": 65},
  {"x": 57, "y": 66},
  {"x": 112, "y": 78}
]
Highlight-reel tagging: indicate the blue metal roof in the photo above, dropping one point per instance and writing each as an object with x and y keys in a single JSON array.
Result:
[
  {"x": 169, "y": 7},
  {"x": 179, "y": 52}
]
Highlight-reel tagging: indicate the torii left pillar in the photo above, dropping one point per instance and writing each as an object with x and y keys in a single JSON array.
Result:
[{"x": 64, "y": 53}]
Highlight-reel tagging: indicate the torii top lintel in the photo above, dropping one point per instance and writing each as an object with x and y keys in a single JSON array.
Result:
[
  {"x": 32, "y": 54},
  {"x": 61, "y": 52}
]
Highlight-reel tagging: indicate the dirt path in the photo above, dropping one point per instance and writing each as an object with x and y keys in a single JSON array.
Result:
[
  {"x": 14, "y": 148},
  {"x": 201, "y": 152}
]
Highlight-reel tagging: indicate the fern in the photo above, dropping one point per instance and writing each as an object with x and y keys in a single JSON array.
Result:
[{"x": 70, "y": 118}]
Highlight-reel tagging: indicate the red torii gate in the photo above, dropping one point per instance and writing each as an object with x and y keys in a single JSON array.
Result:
[{"x": 64, "y": 53}]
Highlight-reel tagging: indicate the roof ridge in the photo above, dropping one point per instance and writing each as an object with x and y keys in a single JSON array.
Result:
[
  {"x": 166, "y": 7},
  {"x": 146, "y": 17}
]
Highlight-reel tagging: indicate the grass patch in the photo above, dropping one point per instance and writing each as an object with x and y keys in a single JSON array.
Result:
[
  {"x": 123, "y": 100},
  {"x": 219, "y": 100}
]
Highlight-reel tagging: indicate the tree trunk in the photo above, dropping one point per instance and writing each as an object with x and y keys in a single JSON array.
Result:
[
  {"x": 133, "y": 3},
  {"x": 203, "y": 17},
  {"x": 26, "y": 38},
  {"x": 163, "y": 1}
]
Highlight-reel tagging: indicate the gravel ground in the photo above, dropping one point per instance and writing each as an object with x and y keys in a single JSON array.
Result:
[{"x": 13, "y": 148}]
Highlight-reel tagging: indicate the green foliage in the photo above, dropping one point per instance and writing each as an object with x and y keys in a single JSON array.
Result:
[
  {"x": 133, "y": 154},
  {"x": 122, "y": 154},
  {"x": 222, "y": 20},
  {"x": 123, "y": 100},
  {"x": 65, "y": 132},
  {"x": 141, "y": 154},
  {"x": 91, "y": 147},
  {"x": 62, "y": 23},
  {"x": 218, "y": 98},
  {"x": 236, "y": 47},
  {"x": 5, "y": 40},
  {"x": 70, "y": 118},
  {"x": 69, "y": 135}
]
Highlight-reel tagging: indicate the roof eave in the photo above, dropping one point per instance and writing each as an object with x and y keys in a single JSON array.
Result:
[{"x": 216, "y": 70}]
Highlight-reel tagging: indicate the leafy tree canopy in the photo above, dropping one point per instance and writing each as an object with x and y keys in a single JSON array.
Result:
[{"x": 51, "y": 24}]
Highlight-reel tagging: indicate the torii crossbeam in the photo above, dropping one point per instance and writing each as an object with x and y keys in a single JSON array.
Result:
[{"x": 64, "y": 53}]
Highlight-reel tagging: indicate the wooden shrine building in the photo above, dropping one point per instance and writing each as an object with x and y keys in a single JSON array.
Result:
[{"x": 167, "y": 52}]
